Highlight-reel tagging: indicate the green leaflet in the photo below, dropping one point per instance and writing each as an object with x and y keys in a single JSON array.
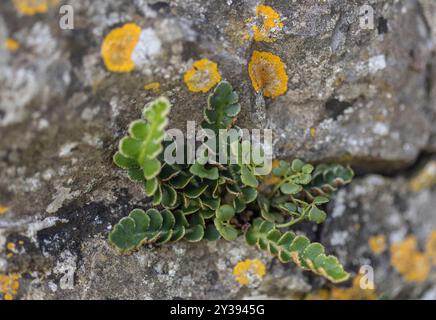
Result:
[
  {"x": 124, "y": 162},
  {"x": 195, "y": 233},
  {"x": 316, "y": 215},
  {"x": 248, "y": 195},
  {"x": 222, "y": 107},
  {"x": 290, "y": 188},
  {"x": 248, "y": 178},
  {"x": 201, "y": 171},
  {"x": 141, "y": 148},
  {"x": 180, "y": 181},
  {"x": 227, "y": 231},
  {"x": 207, "y": 200},
  {"x": 151, "y": 186},
  {"x": 211, "y": 204},
  {"x": 222, "y": 222},
  {"x": 287, "y": 246},
  {"x": 225, "y": 213},
  {"x": 134, "y": 230},
  {"x": 211, "y": 233},
  {"x": 153, "y": 226},
  {"x": 169, "y": 197},
  {"x": 194, "y": 192}
]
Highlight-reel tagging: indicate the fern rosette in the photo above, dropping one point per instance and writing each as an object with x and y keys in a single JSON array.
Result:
[{"x": 210, "y": 200}]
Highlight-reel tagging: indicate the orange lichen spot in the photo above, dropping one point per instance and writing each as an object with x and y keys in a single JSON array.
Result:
[
  {"x": 202, "y": 76},
  {"x": 377, "y": 244},
  {"x": 271, "y": 180},
  {"x": 9, "y": 285},
  {"x": 118, "y": 46},
  {"x": 11, "y": 44},
  {"x": 426, "y": 178},
  {"x": 355, "y": 292},
  {"x": 269, "y": 25},
  {"x": 413, "y": 265},
  {"x": 152, "y": 86},
  {"x": 249, "y": 272},
  {"x": 267, "y": 73},
  {"x": 430, "y": 248},
  {"x": 10, "y": 246},
  {"x": 32, "y": 7},
  {"x": 3, "y": 210},
  {"x": 275, "y": 163}
]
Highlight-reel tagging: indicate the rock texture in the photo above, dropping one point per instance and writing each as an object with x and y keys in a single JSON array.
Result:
[{"x": 361, "y": 96}]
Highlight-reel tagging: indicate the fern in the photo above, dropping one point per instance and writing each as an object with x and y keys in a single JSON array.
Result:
[
  {"x": 222, "y": 108},
  {"x": 290, "y": 247},
  {"x": 138, "y": 151},
  {"x": 210, "y": 201}
]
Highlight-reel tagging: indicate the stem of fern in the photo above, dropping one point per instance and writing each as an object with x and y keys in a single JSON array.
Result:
[{"x": 290, "y": 223}]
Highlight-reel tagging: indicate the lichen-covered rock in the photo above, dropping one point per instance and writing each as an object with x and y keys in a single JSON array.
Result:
[
  {"x": 404, "y": 223},
  {"x": 351, "y": 94}
]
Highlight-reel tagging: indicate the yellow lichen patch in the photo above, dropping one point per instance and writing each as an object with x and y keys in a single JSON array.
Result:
[
  {"x": 3, "y": 210},
  {"x": 377, "y": 244},
  {"x": 413, "y": 265},
  {"x": 353, "y": 293},
  {"x": 269, "y": 24},
  {"x": 118, "y": 46},
  {"x": 32, "y": 7},
  {"x": 312, "y": 132},
  {"x": 249, "y": 272},
  {"x": 152, "y": 86},
  {"x": 11, "y": 44},
  {"x": 267, "y": 73},
  {"x": 9, "y": 285},
  {"x": 275, "y": 163},
  {"x": 430, "y": 248},
  {"x": 426, "y": 178},
  {"x": 10, "y": 246},
  {"x": 202, "y": 76}
]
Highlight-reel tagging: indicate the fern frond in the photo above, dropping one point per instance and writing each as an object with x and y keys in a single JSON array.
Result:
[
  {"x": 139, "y": 150},
  {"x": 290, "y": 247},
  {"x": 327, "y": 179}
]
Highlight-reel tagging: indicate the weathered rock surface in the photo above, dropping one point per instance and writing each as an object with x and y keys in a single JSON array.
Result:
[{"x": 364, "y": 97}]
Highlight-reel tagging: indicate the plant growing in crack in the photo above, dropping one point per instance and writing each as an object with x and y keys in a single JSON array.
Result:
[{"x": 210, "y": 201}]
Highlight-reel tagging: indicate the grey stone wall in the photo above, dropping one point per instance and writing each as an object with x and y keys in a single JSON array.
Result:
[{"x": 357, "y": 96}]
